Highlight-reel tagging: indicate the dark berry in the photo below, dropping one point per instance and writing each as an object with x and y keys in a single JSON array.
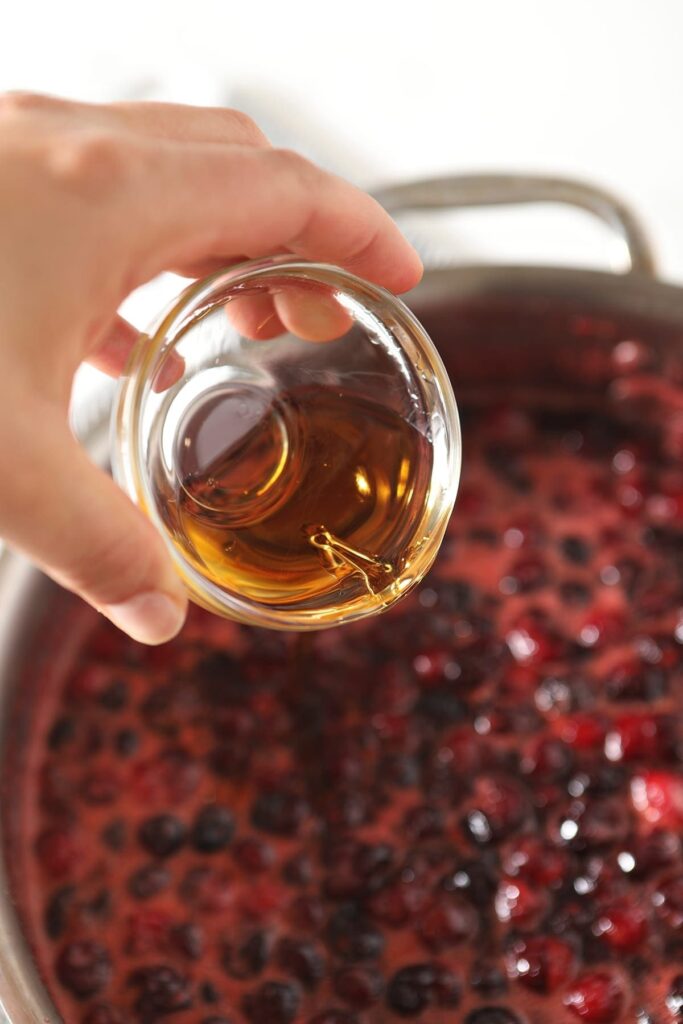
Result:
[
  {"x": 162, "y": 835},
  {"x": 104, "y": 1013},
  {"x": 62, "y": 732},
  {"x": 408, "y": 991},
  {"x": 273, "y": 1002},
  {"x": 161, "y": 990},
  {"x": 417, "y": 986},
  {"x": 333, "y": 1016},
  {"x": 84, "y": 968},
  {"x": 575, "y": 549},
  {"x": 302, "y": 960},
  {"x": 492, "y": 1015},
  {"x": 298, "y": 870},
  {"x": 358, "y": 987},
  {"x": 280, "y": 813},
  {"x": 487, "y": 979},
  {"x": 216, "y": 1020},
  {"x": 148, "y": 880},
  {"x": 246, "y": 959},
  {"x": 442, "y": 706},
  {"x": 114, "y": 835},
  {"x": 209, "y": 993},
  {"x": 126, "y": 742},
  {"x": 351, "y": 936},
  {"x": 188, "y": 939},
  {"x": 253, "y": 854},
  {"x": 574, "y": 593},
  {"x": 213, "y": 829},
  {"x": 674, "y": 998},
  {"x": 57, "y": 910},
  {"x": 115, "y": 696},
  {"x": 499, "y": 806}
]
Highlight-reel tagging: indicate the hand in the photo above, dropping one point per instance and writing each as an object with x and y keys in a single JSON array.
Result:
[{"x": 94, "y": 201}]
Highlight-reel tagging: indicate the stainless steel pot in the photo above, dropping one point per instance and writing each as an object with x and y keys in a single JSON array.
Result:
[{"x": 519, "y": 330}]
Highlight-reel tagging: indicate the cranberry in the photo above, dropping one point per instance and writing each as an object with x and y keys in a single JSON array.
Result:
[
  {"x": 279, "y": 813},
  {"x": 623, "y": 924},
  {"x": 596, "y": 997},
  {"x": 84, "y": 968},
  {"x": 253, "y": 855},
  {"x": 188, "y": 939},
  {"x": 668, "y": 902},
  {"x": 644, "y": 855},
  {"x": 160, "y": 990},
  {"x": 247, "y": 958},
  {"x": 298, "y": 870},
  {"x": 657, "y": 797},
  {"x": 535, "y": 861},
  {"x": 581, "y": 731},
  {"x": 635, "y": 736},
  {"x": 213, "y": 828},
  {"x": 162, "y": 835},
  {"x": 207, "y": 889},
  {"x": 306, "y": 912},
  {"x": 447, "y": 922},
  {"x": 423, "y": 822},
  {"x": 358, "y": 987},
  {"x": 100, "y": 787},
  {"x": 170, "y": 778},
  {"x": 601, "y": 627},
  {"x": 519, "y": 904},
  {"x": 148, "y": 880},
  {"x": 397, "y": 901},
  {"x": 548, "y": 760},
  {"x": 533, "y": 641},
  {"x": 273, "y": 1002},
  {"x": 146, "y": 931},
  {"x": 302, "y": 960},
  {"x": 594, "y": 823},
  {"x": 58, "y": 851},
  {"x": 499, "y": 807},
  {"x": 542, "y": 962}
]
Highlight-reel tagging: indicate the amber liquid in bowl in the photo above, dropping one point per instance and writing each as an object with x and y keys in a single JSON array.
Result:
[{"x": 244, "y": 516}]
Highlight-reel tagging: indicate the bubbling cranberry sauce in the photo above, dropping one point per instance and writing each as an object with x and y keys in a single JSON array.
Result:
[{"x": 468, "y": 809}]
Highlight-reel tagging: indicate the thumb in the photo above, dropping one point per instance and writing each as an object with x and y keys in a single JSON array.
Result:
[{"x": 71, "y": 518}]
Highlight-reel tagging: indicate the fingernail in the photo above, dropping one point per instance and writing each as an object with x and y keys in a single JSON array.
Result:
[{"x": 151, "y": 618}]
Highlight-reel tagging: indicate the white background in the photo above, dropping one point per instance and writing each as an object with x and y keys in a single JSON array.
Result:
[{"x": 382, "y": 90}]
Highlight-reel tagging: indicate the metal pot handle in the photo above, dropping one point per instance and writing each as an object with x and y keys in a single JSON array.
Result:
[{"x": 513, "y": 189}]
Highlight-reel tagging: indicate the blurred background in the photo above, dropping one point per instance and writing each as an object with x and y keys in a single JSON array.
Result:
[{"x": 382, "y": 91}]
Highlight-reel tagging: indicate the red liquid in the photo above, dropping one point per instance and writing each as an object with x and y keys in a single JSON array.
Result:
[{"x": 468, "y": 809}]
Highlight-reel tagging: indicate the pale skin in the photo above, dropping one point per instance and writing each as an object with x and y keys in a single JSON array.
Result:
[{"x": 94, "y": 201}]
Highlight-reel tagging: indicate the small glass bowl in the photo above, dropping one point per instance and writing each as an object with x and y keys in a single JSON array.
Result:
[{"x": 281, "y": 373}]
